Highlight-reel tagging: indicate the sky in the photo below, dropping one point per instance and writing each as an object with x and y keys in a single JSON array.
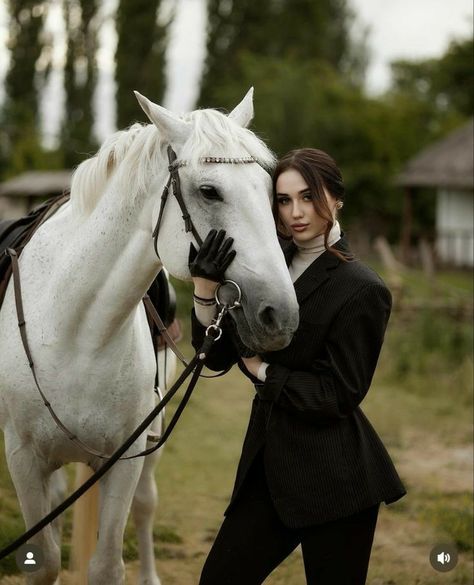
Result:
[
  {"x": 398, "y": 29},
  {"x": 410, "y": 29}
]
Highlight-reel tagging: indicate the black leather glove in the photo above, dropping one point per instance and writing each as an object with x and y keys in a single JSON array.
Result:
[{"x": 213, "y": 257}]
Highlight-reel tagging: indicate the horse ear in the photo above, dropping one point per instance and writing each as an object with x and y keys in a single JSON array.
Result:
[
  {"x": 169, "y": 124},
  {"x": 243, "y": 112}
]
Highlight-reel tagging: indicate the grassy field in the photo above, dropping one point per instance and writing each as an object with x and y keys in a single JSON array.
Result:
[{"x": 421, "y": 405}]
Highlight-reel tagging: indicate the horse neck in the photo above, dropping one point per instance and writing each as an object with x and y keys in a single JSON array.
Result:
[{"x": 108, "y": 266}]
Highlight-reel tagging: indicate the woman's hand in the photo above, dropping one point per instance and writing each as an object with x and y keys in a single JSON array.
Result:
[
  {"x": 208, "y": 265},
  {"x": 252, "y": 364}
]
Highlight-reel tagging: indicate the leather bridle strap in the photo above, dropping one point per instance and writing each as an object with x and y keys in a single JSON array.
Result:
[
  {"x": 162, "y": 329},
  {"x": 173, "y": 181},
  {"x": 164, "y": 198},
  {"x": 175, "y": 184}
]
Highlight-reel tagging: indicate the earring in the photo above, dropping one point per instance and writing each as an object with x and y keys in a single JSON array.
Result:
[{"x": 339, "y": 205}]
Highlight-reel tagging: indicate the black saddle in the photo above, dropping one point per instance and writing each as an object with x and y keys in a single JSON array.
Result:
[{"x": 16, "y": 234}]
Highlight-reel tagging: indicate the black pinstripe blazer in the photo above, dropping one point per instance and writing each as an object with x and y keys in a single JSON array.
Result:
[{"x": 323, "y": 459}]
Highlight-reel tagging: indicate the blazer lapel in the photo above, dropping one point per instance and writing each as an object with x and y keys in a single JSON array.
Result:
[{"x": 319, "y": 271}]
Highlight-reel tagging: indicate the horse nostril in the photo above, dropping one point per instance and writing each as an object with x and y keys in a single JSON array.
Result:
[{"x": 267, "y": 316}]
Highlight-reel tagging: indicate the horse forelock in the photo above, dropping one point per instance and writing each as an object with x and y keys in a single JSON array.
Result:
[
  {"x": 215, "y": 134},
  {"x": 131, "y": 155}
]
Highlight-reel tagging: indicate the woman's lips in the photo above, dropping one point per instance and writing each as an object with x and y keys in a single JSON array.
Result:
[{"x": 299, "y": 227}]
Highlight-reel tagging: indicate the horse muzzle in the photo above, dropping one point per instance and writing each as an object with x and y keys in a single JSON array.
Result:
[{"x": 269, "y": 328}]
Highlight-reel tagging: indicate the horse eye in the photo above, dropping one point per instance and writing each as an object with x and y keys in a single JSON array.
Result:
[{"x": 209, "y": 192}]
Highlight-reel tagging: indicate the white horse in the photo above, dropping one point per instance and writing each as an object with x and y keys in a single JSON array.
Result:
[{"x": 84, "y": 274}]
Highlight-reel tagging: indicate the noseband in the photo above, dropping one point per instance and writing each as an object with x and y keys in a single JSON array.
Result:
[{"x": 173, "y": 181}]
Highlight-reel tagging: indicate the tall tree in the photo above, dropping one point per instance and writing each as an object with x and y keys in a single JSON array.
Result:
[
  {"x": 296, "y": 30},
  {"x": 20, "y": 141},
  {"x": 79, "y": 79},
  {"x": 140, "y": 56},
  {"x": 447, "y": 83}
]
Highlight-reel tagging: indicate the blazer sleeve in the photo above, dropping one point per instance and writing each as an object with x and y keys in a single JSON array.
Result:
[
  {"x": 334, "y": 386},
  {"x": 223, "y": 353}
]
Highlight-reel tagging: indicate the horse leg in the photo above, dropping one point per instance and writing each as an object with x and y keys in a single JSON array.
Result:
[
  {"x": 145, "y": 499},
  {"x": 58, "y": 487},
  {"x": 31, "y": 477},
  {"x": 143, "y": 509},
  {"x": 116, "y": 492}
]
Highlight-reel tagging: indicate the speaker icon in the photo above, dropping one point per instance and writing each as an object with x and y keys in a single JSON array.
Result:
[{"x": 443, "y": 557}]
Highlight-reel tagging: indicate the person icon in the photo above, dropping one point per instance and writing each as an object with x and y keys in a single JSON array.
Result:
[{"x": 30, "y": 559}]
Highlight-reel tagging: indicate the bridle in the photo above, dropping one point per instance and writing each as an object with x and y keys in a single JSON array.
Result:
[{"x": 175, "y": 184}]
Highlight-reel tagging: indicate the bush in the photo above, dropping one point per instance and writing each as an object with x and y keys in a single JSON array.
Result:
[{"x": 430, "y": 343}]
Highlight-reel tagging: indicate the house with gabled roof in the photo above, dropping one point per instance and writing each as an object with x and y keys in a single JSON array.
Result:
[{"x": 447, "y": 166}]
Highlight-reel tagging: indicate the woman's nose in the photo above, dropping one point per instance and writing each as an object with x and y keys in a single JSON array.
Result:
[{"x": 297, "y": 210}]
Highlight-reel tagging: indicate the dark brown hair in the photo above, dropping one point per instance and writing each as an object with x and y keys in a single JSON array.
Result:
[{"x": 320, "y": 173}]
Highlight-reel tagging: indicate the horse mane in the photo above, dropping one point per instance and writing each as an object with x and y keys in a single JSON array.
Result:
[
  {"x": 133, "y": 148},
  {"x": 134, "y": 153}
]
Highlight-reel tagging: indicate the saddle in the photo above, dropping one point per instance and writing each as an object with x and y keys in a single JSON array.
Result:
[{"x": 17, "y": 233}]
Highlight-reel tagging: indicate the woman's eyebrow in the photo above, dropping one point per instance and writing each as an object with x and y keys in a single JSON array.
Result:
[{"x": 305, "y": 190}]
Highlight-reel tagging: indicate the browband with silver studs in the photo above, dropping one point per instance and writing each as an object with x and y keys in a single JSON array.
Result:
[{"x": 218, "y": 159}]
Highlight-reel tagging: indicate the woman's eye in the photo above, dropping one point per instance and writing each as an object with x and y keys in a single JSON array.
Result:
[
  {"x": 307, "y": 197},
  {"x": 283, "y": 200},
  {"x": 209, "y": 192}
]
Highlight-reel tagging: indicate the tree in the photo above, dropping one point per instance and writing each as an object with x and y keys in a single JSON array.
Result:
[
  {"x": 299, "y": 31},
  {"x": 80, "y": 80},
  {"x": 20, "y": 138},
  {"x": 446, "y": 83},
  {"x": 140, "y": 56}
]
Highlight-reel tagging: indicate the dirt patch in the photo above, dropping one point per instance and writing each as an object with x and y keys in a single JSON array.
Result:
[{"x": 426, "y": 462}]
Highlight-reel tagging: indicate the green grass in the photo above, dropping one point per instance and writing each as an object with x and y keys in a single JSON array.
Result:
[{"x": 452, "y": 517}]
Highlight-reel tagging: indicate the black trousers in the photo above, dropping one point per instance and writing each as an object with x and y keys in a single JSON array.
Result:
[{"x": 253, "y": 541}]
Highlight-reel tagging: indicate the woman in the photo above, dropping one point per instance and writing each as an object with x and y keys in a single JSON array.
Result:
[{"x": 313, "y": 470}]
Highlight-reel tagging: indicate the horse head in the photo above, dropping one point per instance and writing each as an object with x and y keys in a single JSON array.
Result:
[{"x": 235, "y": 197}]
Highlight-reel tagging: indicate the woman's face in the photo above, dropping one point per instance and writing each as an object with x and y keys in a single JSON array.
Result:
[{"x": 296, "y": 209}]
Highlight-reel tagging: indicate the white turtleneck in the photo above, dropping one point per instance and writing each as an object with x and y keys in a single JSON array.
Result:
[
  {"x": 307, "y": 252},
  {"x": 304, "y": 256}
]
